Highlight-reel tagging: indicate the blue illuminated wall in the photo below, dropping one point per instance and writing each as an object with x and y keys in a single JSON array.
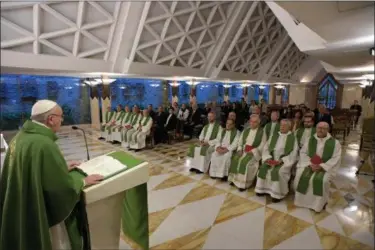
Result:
[
  {"x": 257, "y": 91},
  {"x": 19, "y": 92},
  {"x": 183, "y": 93},
  {"x": 210, "y": 92},
  {"x": 134, "y": 91},
  {"x": 235, "y": 93}
]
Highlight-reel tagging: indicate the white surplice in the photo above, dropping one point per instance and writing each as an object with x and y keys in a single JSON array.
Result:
[
  {"x": 309, "y": 200},
  {"x": 199, "y": 161},
  {"x": 277, "y": 189},
  {"x": 116, "y": 121},
  {"x": 105, "y": 134},
  {"x": 127, "y": 133},
  {"x": 117, "y": 135},
  {"x": 305, "y": 136},
  {"x": 138, "y": 139},
  {"x": 220, "y": 163},
  {"x": 245, "y": 180}
]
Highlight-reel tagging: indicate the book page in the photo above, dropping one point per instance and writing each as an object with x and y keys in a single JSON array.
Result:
[{"x": 102, "y": 165}]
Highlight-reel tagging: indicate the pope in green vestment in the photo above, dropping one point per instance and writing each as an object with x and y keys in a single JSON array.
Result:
[{"x": 41, "y": 205}]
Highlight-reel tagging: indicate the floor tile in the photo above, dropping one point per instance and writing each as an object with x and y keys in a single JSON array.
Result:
[
  {"x": 174, "y": 180},
  {"x": 201, "y": 191},
  {"x": 307, "y": 239}
]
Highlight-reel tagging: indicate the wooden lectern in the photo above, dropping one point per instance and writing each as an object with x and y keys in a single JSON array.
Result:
[{"x": 104, "y": 205}]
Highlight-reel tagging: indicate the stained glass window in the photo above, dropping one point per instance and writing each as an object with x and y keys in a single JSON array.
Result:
[{"x": 327, "y": 93}]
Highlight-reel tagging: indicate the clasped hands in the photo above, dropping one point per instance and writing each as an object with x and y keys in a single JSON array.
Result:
[
  {"x": 204, "y": 143},
  {"x": 273, "y": 163},
  {"x": 222, "y": 150},
  {"x": 315, "y": 168}
]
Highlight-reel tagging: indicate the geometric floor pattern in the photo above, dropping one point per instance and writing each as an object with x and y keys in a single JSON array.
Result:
[{"x": 191, "y": 211}]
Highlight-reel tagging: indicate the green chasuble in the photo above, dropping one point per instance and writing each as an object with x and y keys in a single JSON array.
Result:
[
  {"x": 289, "y": 146},
  {"x": 233, "y": 133},
  {"x": 303, "y": 184},
  {"x": 37, "y": 192},
  {"x": 238, "y": 165},
  {"x": 300, "y": 131},
  {"x": 203, "y": 152},
  {"x": 267, "y": 129}
]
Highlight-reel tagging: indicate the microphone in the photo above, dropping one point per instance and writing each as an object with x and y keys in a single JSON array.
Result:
[{"x": 84, "y": 136}]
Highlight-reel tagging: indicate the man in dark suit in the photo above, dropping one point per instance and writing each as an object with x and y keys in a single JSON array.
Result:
[
  {"x": 358, "y": 109},
  {"x": 159, "y": 120},
  {"x": 151, "y": 111},
  {"x": 323, "y": 115},
  {"x": 170, "y": 124},
  {"x": 193, "y": 120}
]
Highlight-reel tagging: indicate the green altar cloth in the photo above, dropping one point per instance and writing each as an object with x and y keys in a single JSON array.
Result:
[{"x": 134, "y": 218}]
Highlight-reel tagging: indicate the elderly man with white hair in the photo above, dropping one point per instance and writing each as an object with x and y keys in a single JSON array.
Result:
[
  {"x": 200, "y": 155},
  {"x": 319, "y": 160},
  {"x": 278, "y": 157},
  {"x": 226, "y": 144},
  {"x": 138, "y": 138},
  {"x": 245, "y": 163},
  {"x": 39, "y": 191}
]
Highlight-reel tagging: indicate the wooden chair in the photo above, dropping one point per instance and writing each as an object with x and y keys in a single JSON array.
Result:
[
  {"x": 171, "y": 135},
  {"x": 150, "y": 142}
]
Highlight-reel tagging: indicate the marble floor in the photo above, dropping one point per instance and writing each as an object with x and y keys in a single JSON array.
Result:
[{"x": 192, "y": 211}]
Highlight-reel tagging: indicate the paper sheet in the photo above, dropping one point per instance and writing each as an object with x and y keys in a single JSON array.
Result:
[{"x": 102, "y": 165}]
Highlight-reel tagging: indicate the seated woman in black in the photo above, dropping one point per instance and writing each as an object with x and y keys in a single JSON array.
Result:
[{"x": 160, "y": 118}]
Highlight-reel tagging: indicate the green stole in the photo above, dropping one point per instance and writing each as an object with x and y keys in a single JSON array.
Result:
[
  {"x": 232, "y": 135},
  {"x": 108, "y": 118},
  {"x": 126, "y": 116},
  {"x": 289, "y": 146},
  {"x": 119, "y": 118},
  {"x": 238, "y": 165},
  {"x": 268, "y": 126},
  {"x": 135, "y": 119},
  {"x": 146, "y": 121},
  {"x": 300, "y": 132},
  {"x": 303, "y": 184},
  {"x": 215, "y": 131}
]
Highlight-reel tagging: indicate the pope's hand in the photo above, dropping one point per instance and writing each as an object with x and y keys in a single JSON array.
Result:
[
  {"x": 72, "y": 165},
  {"x": 93, "y": 179}
]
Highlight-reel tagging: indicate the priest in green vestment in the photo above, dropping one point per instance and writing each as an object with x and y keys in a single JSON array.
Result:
[
  {"x": 319, "y": 160},
  {"x": 138, "y": 139},
  {"x": 303, "y": 134},
  {"x": 273, "y": 126},
  {"x": 199, "y": 155},
  {"x": 108, "y": 117},
  {"x": 278, "y": 158},
  {"x": 224, "y": 148},
  {"x": 116, "y": 135},
  {"x": 132, "y": 127},
  {"x": 245, "y": 162},
  {"x": 41, "y": 205},
  {"x": 115, "y": 123}
]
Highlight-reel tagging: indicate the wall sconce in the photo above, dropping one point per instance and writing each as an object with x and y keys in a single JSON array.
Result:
[
  {"x": 245, "y": 85},
  {"x": 105, "y": 81},
  {"x": 262, "y": 87},
  {"x": 175, "y": 84},
  {"x": 280, "y": 87},
  {"x": 154, "y": 85},
  {"x": 227, "y": 86}
]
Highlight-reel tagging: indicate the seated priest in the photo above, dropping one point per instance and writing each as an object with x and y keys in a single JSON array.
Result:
[
  {"x": 108, "y": 118},
  {"x": 116, "y": 122},
  {"x": 226, "y": 144},
  {"x": 319, "y": 159},
  {"x": 273, "y": 126},
  {"x": 278, "y": 157},
  {"x": 138, "y": 139},
  {"x": 182, "y": 118},
  {"x": 132, "y": 127},
  {"x": 116, "y": 135},
  {"x": 200, "y": 155},
  {"x": 159, "y": 121},
  {"x": 303, "y": 134},
  {"x": 245, "y": 162},
  {"x": 233, "y": 116}
]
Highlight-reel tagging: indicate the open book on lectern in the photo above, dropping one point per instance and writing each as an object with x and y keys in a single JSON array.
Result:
[{"x": 108, "y": 165}]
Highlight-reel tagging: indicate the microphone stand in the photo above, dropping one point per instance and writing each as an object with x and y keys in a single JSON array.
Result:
[{"x": 84, "y": 136}]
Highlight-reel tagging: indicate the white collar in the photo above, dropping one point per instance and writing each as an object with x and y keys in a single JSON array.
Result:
[
  {"x": 322, "y": 139},
  {"x": 39, "y": 123},
  {"x": 285, "y": 134}
]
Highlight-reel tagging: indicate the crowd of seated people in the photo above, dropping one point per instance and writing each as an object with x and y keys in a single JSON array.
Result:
[
  {"x": 182, "y": 121},
  {"x": 285, "y": 151}
]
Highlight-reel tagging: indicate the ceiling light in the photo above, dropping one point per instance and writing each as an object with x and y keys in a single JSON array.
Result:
[
  {"x": 91, "y": 83},
  {"x": 279, "y": 87},
  {"x": 262, "y": 87},
  {"x": 105, "y": 80},
  {"x": 227, "y": 86},
  {"x": 245, "y": 85}
]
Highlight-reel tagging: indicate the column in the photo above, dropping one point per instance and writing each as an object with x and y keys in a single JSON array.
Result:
[
  {"x": 106, "y": 96},
  {"x": 193, "y": 94},
  {"x": 272, "y": 95},
  {"x": 278, "y": 96},
  {"x": 94, "y": 107}
]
